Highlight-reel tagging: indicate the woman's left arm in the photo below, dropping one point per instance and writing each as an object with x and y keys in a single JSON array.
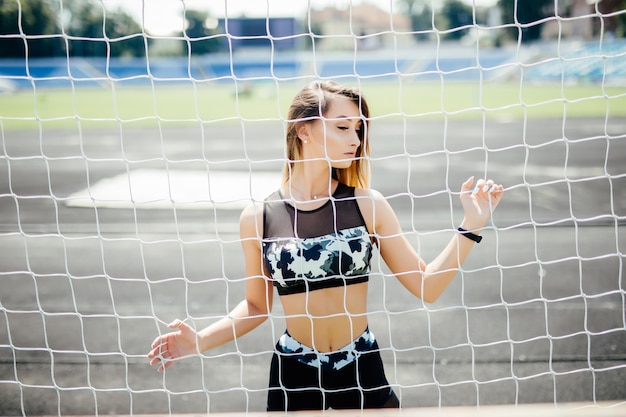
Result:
[{"x": 428, "y": 281}]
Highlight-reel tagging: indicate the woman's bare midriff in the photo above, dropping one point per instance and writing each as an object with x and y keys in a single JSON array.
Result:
[{"x": 327, "y": 319}]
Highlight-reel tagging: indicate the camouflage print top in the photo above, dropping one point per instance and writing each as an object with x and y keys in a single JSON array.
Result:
[{"x": 322, "y": 248}]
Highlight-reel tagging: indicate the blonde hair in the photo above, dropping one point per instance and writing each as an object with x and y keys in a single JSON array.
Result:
[{"x": 310, "y": 104}]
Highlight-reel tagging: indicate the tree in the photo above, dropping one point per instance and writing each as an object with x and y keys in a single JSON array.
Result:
[
  {"x": 100, "y": 32},
  {"x": 421, "y": 16},
  {"x": 126, "y": 35},
  {"x": 30, "y": 18},
  {"x": 456, "y": 14},
  {"x": 527, "y": 13},
  {"x": 614, "y": 17},
  {"x": 203, "y": 38},
  {"x": 448, "y": 16}
]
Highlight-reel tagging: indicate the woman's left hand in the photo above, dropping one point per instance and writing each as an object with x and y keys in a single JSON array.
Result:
[{"x": 479, "y": 203}]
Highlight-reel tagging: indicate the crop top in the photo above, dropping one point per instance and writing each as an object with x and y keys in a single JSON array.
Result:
[{"x": 308, "y": 250}]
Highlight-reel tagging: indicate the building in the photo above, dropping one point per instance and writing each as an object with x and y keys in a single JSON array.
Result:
[
  {"x": 260, "y": 32},
  {"x": 364, "y": 26}
]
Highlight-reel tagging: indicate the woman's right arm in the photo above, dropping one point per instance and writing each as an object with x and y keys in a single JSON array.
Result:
[{"x": 246, "y": 316}]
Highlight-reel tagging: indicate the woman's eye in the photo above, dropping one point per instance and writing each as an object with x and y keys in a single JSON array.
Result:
[{"x": 343, "y": 127}]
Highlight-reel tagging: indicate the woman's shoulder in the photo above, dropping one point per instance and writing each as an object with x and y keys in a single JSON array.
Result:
[
  {"x": 255, "y": 208},
  {"x": 373, "y": 205},
  {"x": 251, "y": 220},
  {"x": 368, "y": 199},
  {"x": 368, "y": 193}
]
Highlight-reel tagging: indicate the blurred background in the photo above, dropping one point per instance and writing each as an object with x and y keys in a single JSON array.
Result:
[
  {"x": 89, "y": 40},
  {"x": 133, "y": 132}
]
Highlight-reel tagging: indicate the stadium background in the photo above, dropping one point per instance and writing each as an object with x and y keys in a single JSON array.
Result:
[{"x": 86, "y": 284}]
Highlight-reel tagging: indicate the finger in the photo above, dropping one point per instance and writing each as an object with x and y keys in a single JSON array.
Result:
[
  {"x": 495, "y": 188},
  {"x": 175, "y": 324},
  {"x": 160, "y": 363},
  {"x": 158, "y": 341},
  {"x": 164, "y": 366},
  {"x": 496, "y": 195},
  {"x": 159, "y": 355},
  {"x": 152, "y": 354},
  {"x": 483, "y": 185},
  {"x": 487, "y": 186},
  {"x": 157, "y": 351},
  {"x": 161, "y": 341},
  {"x": 467, "y": 184},
  {"x": 155, "y": 361},
  {"x": 479, "y": 186},
  {"x": 182, "y": 327}
]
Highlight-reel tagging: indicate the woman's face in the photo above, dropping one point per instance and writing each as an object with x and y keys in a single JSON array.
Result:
[{"x": 335, "y": 137}]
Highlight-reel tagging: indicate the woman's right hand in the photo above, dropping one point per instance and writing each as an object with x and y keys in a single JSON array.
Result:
[{"x": 166, "y": 349}]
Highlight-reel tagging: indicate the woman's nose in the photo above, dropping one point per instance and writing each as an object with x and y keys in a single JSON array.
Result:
[{"x": 356, "y": 140}]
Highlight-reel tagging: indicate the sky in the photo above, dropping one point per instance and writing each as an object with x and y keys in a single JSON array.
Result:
[{"x": 162, "y": 17}]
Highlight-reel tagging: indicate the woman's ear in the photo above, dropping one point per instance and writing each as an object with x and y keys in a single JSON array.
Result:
[{"x": 303, "y": 131}]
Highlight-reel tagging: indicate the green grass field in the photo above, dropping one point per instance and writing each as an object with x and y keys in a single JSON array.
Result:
[{"x": 217, "y": 103}]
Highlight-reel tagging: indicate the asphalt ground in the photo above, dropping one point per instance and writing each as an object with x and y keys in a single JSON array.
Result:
[{"x": 537, "y": 315}]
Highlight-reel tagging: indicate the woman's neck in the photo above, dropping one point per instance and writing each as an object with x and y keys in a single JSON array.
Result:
[{"x": 306, "y": 184}]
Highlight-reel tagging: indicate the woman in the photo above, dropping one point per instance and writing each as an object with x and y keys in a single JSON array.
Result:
[{"x": 313, "y": 239}]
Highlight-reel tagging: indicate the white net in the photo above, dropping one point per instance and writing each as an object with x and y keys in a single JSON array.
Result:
[{"x": 123, "y": 179}]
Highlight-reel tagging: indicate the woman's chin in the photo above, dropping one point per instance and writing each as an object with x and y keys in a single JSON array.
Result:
[{"x": 342, "y": 163}]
